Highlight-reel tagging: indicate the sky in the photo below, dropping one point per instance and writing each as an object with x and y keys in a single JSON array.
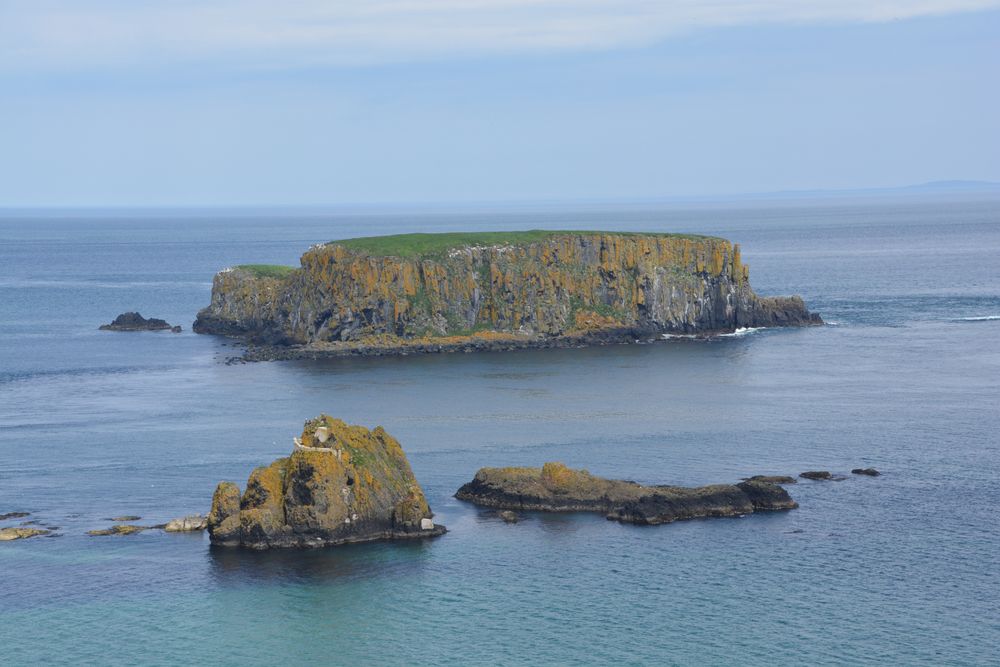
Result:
[{"x": 312, "y": 103}]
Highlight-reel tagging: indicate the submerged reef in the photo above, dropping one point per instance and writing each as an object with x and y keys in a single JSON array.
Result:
[
  {"x": 503, "y": 290},
  {"x": 341, "y": 484},
  {"x": 556, "y": 488}
]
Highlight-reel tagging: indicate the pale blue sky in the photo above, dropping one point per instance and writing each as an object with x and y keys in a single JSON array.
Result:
[{"x": 184, "y": 103}]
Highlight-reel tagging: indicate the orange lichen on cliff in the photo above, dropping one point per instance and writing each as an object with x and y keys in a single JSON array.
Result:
[
  {"x": 536, "y": 288},
  {"x": 588, "y": 320}
]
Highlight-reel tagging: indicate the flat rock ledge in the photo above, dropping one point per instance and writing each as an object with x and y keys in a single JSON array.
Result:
[
  {"x": 120, "y": 529},
  {"x": 340, "y": 484},
  {"x": 485, "y": 342},
  {"x": 21, "y": 533},
  {"x": 772, "y": 479},
  {"x": 135, "y": 322},
  {"x": 556, "y": 488},
  {"x": 187, "y": 524}
]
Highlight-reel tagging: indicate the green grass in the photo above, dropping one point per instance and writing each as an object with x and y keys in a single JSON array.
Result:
[
  {"x": 267, "y": 270},
  {"x": 576, "y": 304},
  {"x": 422, "y": 245}
]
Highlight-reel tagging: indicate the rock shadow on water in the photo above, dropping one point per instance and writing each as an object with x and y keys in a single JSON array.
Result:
[
  {"x": 236, "y": 567},
  {"x": 561, "y": 525}
]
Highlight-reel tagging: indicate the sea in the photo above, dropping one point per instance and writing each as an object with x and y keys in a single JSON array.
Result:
[{"x": 901, "y": 569}]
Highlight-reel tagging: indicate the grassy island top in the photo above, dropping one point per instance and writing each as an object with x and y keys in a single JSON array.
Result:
[
  {"x": 420, "y": 245},
  {"x": 266, "y": 270},
  {"x": 436, "y": 245}
]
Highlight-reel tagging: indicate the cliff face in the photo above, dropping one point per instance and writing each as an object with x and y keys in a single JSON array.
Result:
[
  {"x": 556, "y": 488},
  {"x": 550, "y": 285},
  {"x": 341, "y": 484}
]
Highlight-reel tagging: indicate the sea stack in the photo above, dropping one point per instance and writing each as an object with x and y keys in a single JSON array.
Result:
[
  {"x": 340, "y": 484},
  {"x": 502, "y": 290}
]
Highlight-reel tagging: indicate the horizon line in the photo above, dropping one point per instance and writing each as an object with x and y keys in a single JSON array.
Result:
[{"x": 937, "y": 187}]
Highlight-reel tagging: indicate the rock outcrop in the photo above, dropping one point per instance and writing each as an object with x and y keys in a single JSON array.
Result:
[
  {"x": 21, "y": 533},
  {"x": 439, "y": 292},
  {"x": 185, "y": 524},
  {"x": 772, "y": 479},
  {"x": 556, "y": 488},
  {"x": 340, "y": 484},
  {"x": 136, "y": 322},
  {"x": 869, "y": 472},
  {"x": 119, "y": 529}
]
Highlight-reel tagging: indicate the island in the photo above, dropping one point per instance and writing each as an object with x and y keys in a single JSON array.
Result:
[
  {"x": 491, "y": 291},
  {"x": 556, "y": 488},
  {"x": 133, "y": 321},
  {"x": 340, "y": 484}
]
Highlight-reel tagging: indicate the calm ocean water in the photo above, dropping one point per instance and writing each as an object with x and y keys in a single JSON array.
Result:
[{"x": 902, "y": 569}]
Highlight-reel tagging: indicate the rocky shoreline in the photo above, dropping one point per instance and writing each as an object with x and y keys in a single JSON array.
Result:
[
  {"x": 455, "y": 344},
  {"x": 461, "y": 344},
  {"x": 279, "y": 509}
]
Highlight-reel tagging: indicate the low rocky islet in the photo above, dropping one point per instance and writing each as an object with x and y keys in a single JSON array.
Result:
[
  {"x": 557, "y": 488},
  {"x": 133, "y": 321},
  {"x": 21, "y": 533}
]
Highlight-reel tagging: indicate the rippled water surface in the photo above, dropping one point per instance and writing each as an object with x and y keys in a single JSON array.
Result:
[{"x": 900, "y": 569}]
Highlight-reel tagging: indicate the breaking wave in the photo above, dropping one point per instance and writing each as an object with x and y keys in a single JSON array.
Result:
[
  {"x": 742, "y": 331},
  {"x": 982, "y": 318}
]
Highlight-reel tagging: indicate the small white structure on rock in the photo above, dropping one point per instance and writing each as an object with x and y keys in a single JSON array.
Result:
[{"x": 426, "y": 524}]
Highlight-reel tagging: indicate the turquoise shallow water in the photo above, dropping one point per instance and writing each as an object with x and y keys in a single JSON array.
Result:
[{"x": 901, "y": 569}]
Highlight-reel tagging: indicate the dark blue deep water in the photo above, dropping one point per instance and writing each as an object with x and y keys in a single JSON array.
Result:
[{"x": 902, "y": 569}]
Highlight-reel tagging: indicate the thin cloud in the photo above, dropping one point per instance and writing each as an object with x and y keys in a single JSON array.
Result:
[{"x": 78, "y": 34}]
